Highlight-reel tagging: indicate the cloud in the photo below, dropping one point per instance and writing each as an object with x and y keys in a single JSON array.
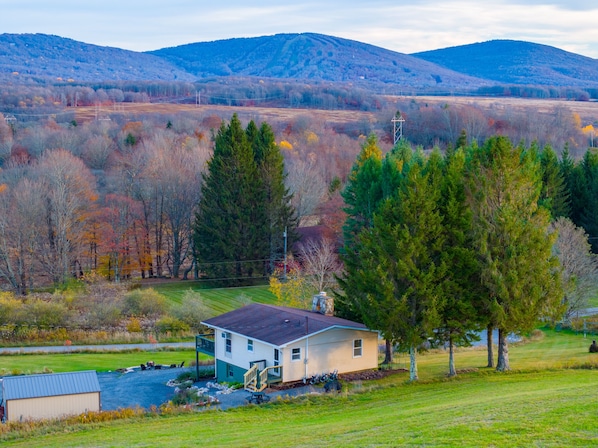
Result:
[{"x": 406, "y": 27}]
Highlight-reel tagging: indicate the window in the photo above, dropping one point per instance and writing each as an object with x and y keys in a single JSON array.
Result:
[
  {"x": 228, "y": 348},
  {"x": 357, "y": 348},
  {"x": 229, "y": 371},
  {"x": 296, "y": 354},
  {"x": 249, "y": 345}
]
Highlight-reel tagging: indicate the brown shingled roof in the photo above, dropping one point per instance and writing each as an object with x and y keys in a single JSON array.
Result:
[{"x": 277, "y": 325}]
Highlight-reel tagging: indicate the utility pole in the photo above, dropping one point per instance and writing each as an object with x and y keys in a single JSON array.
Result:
[
  {"x": 397, "y": 122},
  {"x": 284, "y": 275}
]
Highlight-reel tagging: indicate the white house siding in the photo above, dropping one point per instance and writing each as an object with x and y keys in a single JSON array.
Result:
[
  {"x": 240, "y": 356},
  {"x": 328, "y": 351},
  {"x": 51, "y": 407}
]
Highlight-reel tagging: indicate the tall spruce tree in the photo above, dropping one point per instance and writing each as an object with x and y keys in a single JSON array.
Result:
[
  {"x": 517, "y": 267},
  {"x": 555, "y": 195},
  {"x": 403, "y": 249},
  {"x": 588, "y": 213},
  {"x": 279, "y": 213},
  {"x": 362, "y": 194},
  {"x": 228, "y": 230},
  {"x": 458, "y": 317}
]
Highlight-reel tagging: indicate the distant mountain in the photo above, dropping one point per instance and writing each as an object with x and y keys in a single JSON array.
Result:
[
  {"x": 517, "y": 62},
  {"x": 44, "y": 56},
  {"x": 312, "y": 57},
  {"x": 305, "y": 57}
]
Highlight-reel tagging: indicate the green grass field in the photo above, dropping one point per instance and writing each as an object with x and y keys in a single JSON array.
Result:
[
  {"x": 100, "y": 361},
  {"x": 546, "y": 400},
  {"x": 218, "y": 300},
  {"x": 551, "y": 409}
]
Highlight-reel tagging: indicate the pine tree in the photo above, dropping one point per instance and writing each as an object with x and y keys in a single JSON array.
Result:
[
  {"x": 458, "y": 318},
  {"x": 231, "y": 213},
  {"x": 554, "y": 196},
  {"x": 279, "y": 215},
  {"x": 403, "y": 248},
  {"x": 518, "y": 269},
  {"x": 363, "y": 192}
]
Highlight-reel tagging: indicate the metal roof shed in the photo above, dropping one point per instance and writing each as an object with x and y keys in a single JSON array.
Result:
[{"x": 34, "y": 397}]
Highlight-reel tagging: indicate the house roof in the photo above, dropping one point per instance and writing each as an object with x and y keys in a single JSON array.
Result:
[
  {"x": 278, "y": 325},
  {"x": 49, "y": 385}
]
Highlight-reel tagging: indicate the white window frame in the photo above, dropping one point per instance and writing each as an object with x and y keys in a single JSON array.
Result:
[
  {"x": 228, "y": 345},
  {"x": 250, "y": 345},
  {"x": 296, "y": 354},
  {"x": 357, "y": 348}
]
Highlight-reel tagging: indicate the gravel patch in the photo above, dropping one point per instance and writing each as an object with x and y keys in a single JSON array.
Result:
[{"x": 146, "y": 388}]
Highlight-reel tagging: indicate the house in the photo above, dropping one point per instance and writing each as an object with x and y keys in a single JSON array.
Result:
[
  {"x": 290, "y": 344},
  {"x": 46, "y": 396}
]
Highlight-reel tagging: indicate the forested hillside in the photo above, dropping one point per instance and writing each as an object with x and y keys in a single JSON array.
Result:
[
  {"x": 132, "y": 182},
  {"x": 306, "y": 58},
  {"x": 518, "y": 62}
]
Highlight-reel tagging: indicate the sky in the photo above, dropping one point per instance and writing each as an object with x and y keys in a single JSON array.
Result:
[{"x": 400, "y": 25}]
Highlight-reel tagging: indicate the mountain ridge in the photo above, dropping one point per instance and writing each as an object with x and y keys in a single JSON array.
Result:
[{"x": 308, "y": 57}]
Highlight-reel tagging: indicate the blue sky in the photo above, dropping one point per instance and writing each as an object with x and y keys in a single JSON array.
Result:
[{"x": 403, "y": 26}]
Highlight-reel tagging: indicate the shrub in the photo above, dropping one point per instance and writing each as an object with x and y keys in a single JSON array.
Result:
[
  {"x": 133, "y": 325},
  {"x": 192, "y": 310},
  {"x": 145, "y": 302},
  {"x": 171, "y": 325}
]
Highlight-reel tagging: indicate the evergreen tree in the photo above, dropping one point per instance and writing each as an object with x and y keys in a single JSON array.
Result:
[
  {"x": 588, "y": 213},
  {"x": 554, "y": 195},
  {"x": 403, "y": 251},
  {"x": 363, "y": 192},
  {"x": 517, "y": 267},
  {"x": 362, "y": 196},
  {"x": 228, "y": 229},
  {"x": 459, "y": 317},
  {"x": 279, "y": 215}
]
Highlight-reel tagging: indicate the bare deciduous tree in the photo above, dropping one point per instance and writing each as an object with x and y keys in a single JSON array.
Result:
[
  {"x": 306, "y": 183},
  {"x": 319, "y": 263},
  {"x": 579, "y": 265}
]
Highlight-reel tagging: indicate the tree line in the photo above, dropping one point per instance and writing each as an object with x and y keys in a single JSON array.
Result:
[{"x": 438, "y": 246}]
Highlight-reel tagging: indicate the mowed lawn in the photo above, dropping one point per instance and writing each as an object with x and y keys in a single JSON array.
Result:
[
  {"x": 218, "y": 300},
  {"x": 548, "y": 409},
  {"x": 547, "y": 400},
  {"x": 100, "y": 361}
]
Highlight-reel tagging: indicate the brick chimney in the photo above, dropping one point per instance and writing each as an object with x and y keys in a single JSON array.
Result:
[{"x": 323, "y": 304}]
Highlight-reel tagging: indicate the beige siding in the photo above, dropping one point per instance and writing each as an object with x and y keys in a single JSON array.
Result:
[
  {"x": 331, "y": 350},
  {"x": 52, "y": 407}
]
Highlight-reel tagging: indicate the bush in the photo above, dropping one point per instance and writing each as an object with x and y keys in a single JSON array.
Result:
[
  {"x": 145, "y": 302},
  {"x": 171, "y": 325},
  {"x": 192, "y": 310},
  {"x": 133, "y": 325}
]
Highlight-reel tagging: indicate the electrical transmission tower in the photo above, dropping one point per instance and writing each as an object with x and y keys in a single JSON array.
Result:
[{"x": 397, "y": 122}]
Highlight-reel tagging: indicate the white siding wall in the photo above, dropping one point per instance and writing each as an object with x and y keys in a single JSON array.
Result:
[
  {"x": 239, "y": 355},
  {"x": 331, "y": 350},
  {"x": 52, "y": 407}
]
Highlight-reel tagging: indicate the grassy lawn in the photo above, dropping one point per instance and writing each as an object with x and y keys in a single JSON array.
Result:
[
  {"x": 552, "y": 408},
  {"x": 219, "y": 300},
  {"x": 540, "y": 403},
  {"x": 100, "y": 361}
]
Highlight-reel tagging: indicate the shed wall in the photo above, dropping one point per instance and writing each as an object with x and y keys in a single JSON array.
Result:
[{"x": 51, "y": 407}]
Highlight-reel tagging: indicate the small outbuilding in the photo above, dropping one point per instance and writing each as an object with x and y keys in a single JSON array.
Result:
[{"x": 46, "y": 396}]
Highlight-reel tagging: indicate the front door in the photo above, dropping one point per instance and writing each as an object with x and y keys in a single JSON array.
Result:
[{"x": 276, "y": 362}]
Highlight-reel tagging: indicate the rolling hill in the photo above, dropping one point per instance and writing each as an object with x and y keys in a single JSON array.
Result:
[
  {"x": 312, "y": 57},
  {"x": 517, "y": 62},
  {"x": 46, "y": 57},
  {"x": 306, "y": 57}
]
